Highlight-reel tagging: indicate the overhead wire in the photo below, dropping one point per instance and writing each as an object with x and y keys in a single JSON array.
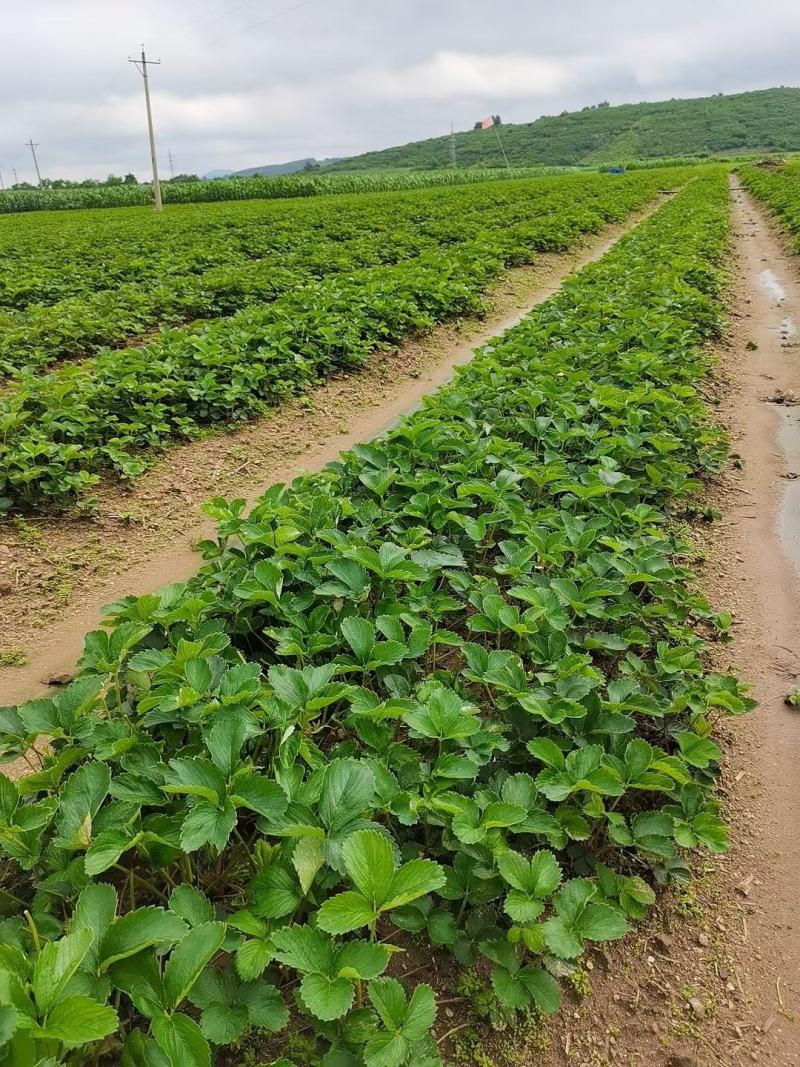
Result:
[{"x": 278, "y": 14}]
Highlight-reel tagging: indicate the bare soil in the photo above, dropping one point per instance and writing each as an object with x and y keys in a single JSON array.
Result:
[{"x": 58, "y": 572}]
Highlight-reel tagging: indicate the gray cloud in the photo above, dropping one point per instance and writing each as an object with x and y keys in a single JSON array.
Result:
[{"x": 239, "y": 86}]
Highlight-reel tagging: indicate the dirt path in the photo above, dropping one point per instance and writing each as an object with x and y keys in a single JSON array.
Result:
[
  {"x": 714, "y": 979},
  {"x": 56, "y": 574}
]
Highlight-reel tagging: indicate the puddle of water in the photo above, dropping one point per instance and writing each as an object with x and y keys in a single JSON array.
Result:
[
  {"x": 770, "y": 284},
  {"x": 789, "y": 509}
]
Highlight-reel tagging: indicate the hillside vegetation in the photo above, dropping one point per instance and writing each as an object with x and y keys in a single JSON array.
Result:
[{"x": 766, "y": 120}]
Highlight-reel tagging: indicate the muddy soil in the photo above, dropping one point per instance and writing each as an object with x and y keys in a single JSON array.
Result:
[{"x": 57, "y": 573}]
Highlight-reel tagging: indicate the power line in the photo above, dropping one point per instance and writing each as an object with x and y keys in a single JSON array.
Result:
[
  {"x": 231, "y": 11},
  {"x": 279, "y": 14},
  {"x": 33, "y": 148},
  {"x": 141, "y": 66}
]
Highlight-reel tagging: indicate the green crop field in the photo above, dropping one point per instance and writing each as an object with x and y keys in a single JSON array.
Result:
[
  {"x": 14, "y": 201},
  {"x": 244, "y": 304},
  {"x": 449, "y": 694}
]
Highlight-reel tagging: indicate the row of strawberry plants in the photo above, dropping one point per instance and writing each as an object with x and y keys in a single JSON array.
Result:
[
  {"x": 62, "y": 429},
  {"x": 317, "y": 245},
  {"x": 447, "y": 691},
  {"x": 779, "y": 189},
  {"x": 46, "y": 258}
]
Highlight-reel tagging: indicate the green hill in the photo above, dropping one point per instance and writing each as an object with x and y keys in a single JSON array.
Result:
[{"x": 767, "y": 120}]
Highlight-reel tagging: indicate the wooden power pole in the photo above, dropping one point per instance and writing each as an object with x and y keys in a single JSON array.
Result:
[{"x": 141, "y": 65}]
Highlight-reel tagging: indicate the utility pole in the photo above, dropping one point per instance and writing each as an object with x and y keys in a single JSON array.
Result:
[
  {"x": 33, "y": 148},
  {"x": 141, "y": 66},
  {"x": 171, "y": 165},
  {"x": 14, "y": 172},
  {"x": 2, "y": 187},
  {"x": 452, "y": 147}
]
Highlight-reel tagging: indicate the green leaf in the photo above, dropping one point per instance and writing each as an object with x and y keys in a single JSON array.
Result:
[
  {"x": 360, "y": 635},
  {"x": 420, "y": 1014},
  {"x": 189, "y": 958},
  {"x": 538, "y": 877},
  {"x": 542, "y": 987},
  {"x": 181, "y": 1040},
  {"x": 348, "y": 787},
  {"x": 369, "y": 862},
  {"x": 259, "y": 794},
  {"x": 361, "y": 959},
  {"x": 444, "y": 718},
  {"x": 307, "y": 860},
  {"x": 224, "y": 1024},
  {"x": 698, "y": 751},
  {"x": 561, "y": 939},
  {"x": 252, "y": 957},
  {"x": 225, "y": 740},
  {"x": 8, "y": 1024},
  {"x": 95, "y": 910},
  {"x": 413, "y": 880},
  {"x": 56, "y": 964},
  {"x": 304, "y": 949},
  {"x": 193, "y": 906},
  {"x": 78, "y": 1021},
  {"x": 208, "y": 825},
  {"x": 327, "y": 998},
  {"x": 548, "y": 752},
  {"x": 196, "y": 777},
  {"x": 83, "y": 793},
  {"x": 139, "y": 977},
  {"x": 345, "y": 912},
  {"x": 265, "y": 1006},
  {"x": 601, "y": 922},
  {"x": 105, "y": 850},
  {"x": 386, "y": 1050},
  {"x": 137, "y": 930},
  {"x": 510, "y": 991},
  {"x": 522, "y": 907},
  {"x": 389, "y": 1000},
  {"x": 274, "y": 892}
]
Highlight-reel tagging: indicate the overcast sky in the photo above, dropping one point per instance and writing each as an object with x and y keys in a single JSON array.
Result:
[{"x": 246, "y": 82}]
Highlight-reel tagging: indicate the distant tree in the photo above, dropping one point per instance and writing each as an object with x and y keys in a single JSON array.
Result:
[
  {"x": 497, "y": 120},
  {"x": 310, "y": 164},
  {"x": 604, "y": 103},
  {"x": 113, "y": 179},
  {"x": 185, "y": 178},
  {"x": 130, "y": 179}
]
